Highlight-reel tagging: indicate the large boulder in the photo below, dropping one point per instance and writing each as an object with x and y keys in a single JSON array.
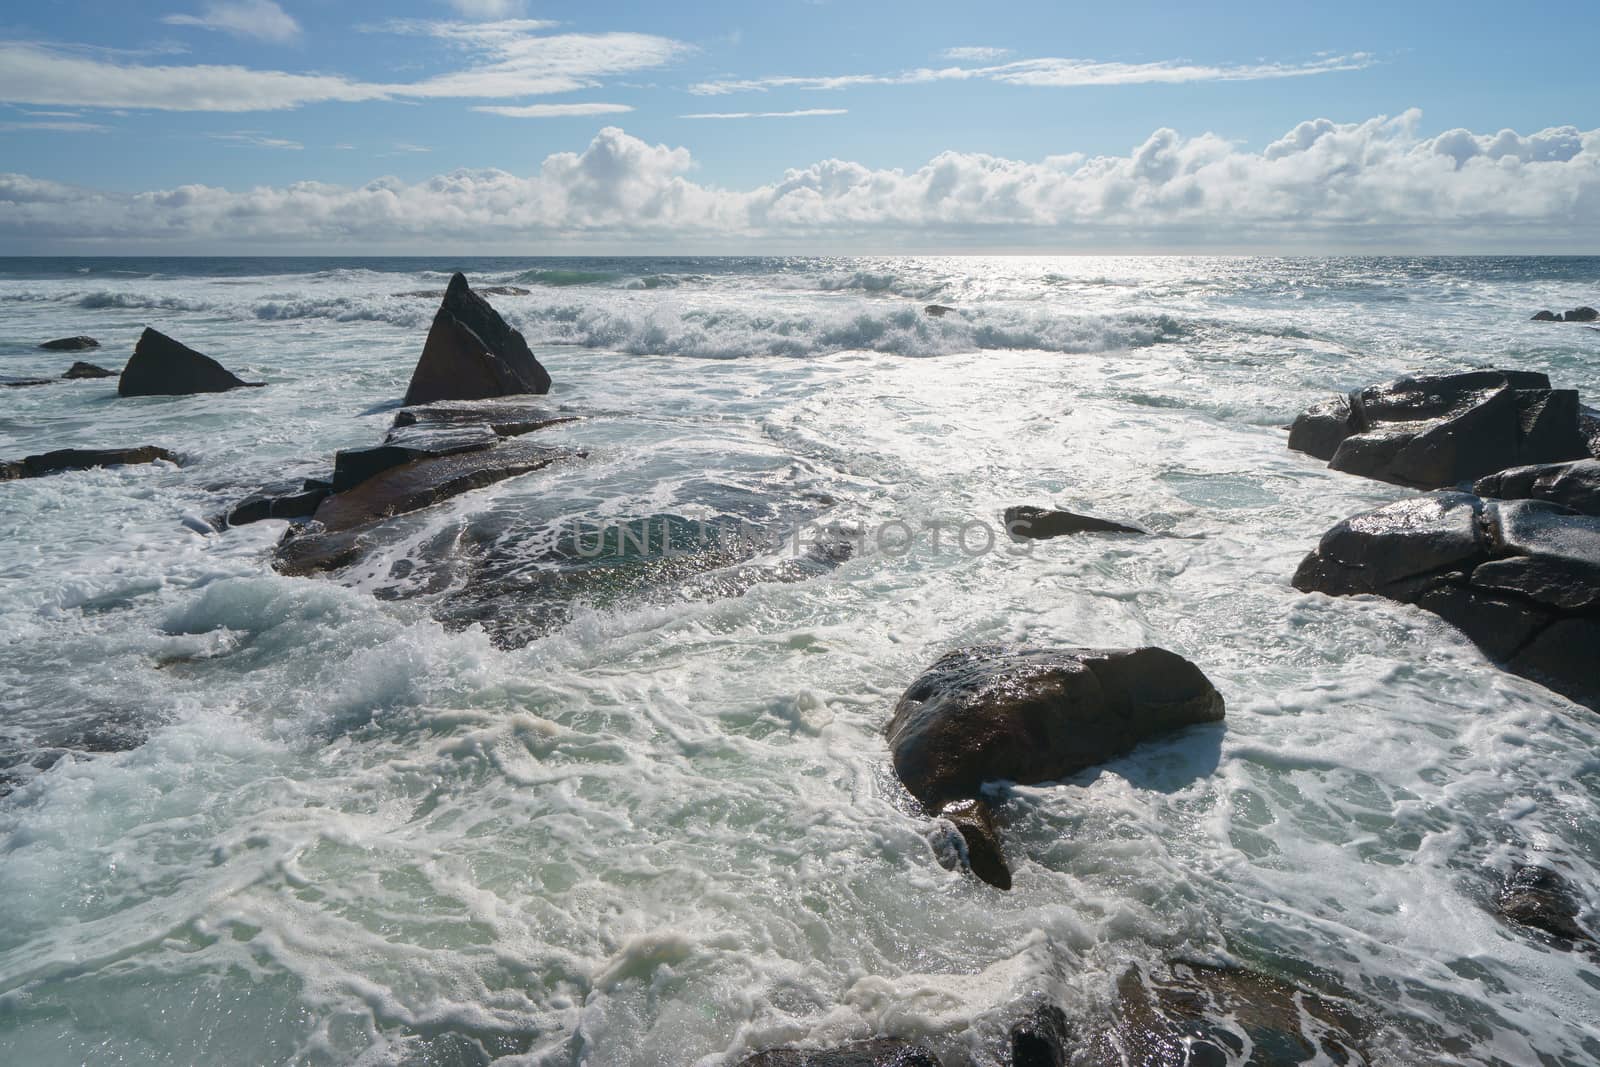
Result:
[
  {"x": 163, "y": 367},
  {"x": 880, "y": 1052},
  {"x": 71, "y": 344},
  {"x": 1521, "y": 578},
  {"x": 77, "y": 459},
  {"x": 1433, "y": 432},
  {"x": 988, "y": 714},
  {"x": 1575, "y": 484},
  {"x": 471, "y": 354},
  {"x": 81, "y": 369}
]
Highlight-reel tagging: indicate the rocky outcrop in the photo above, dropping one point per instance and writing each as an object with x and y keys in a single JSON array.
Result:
[
  {"x": 1540, "y": 898},
  {"x": 1037, "y": 524},
  {"x": 471, "y": 354},
  {"x": 881, "y": 1052},
  {"x": 81, "y": 369},
  {"x": 77, "y": 459},
  {"x": 990, "y": 714},
  {"x": 163, "y": 367},
  {"x": 1577, "y": 314},
  {"x": 1521, "y": 578},
  {"x": 71, "y": 344},
  {"x": 1575, "y": 485},
  {"x": 1432, "y": 432}
]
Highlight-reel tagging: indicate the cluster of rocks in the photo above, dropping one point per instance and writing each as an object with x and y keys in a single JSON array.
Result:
[{"x": 1579, "y": 314}]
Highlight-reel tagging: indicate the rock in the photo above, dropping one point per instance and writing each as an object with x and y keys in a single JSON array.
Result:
[
  {"x": 263, "y": 506},
  {"x": 506, "y": 419},
  {"x": 352, "y": 466},
  {"x": 1030, "y": 523},
  {"x": 471, "y": 354},
  {"x": 1582, "y": 314},
  {"x": 988, "y": 714},
  {"x": 488, "y": 290},
  {"x": 163, "y": 367},
  {"x": 1521, "y": 578},
  {"x": 19, "y": 383},
  {"x": 1546, "y": 316},
  {"x": 881, "y": 1052},
  {"x": 1540, "y": 898},
  {"x": 71, "y": 344},
  {"x": 1042, "y": 1039},
  {"x": 1438, "y": 431},
  {"x": 1575, "y": 484},
  {"x": 974, "y": 821},
  {"x": 937, "y": 311},
  {"x": 77, "y": 459},
  {"x": 81, "y": 369},
  {"x": 1198, "y": 1016}
]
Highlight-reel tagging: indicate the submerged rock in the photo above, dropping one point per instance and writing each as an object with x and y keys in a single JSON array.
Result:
[
  {"x": 77, "y": 459},
  {"x": 163, "y": 367},
  {"x": 1043, "y": 1038},
  {"x": 1540, "y": 898},
  {"x": 81, "y": 369},
  {"x": 471, "y": 354},
  {"x": 937, "y": 311},
  {"x": 981, "y": 851},
  {"x": 989, "y": 714},
  {"x": 1433, "y": 432},
  {"x": 20, "y": 383},
  {"x": 1521, "y": 578},
  {"x": 1575, "y": 484},
  {"x": 71, "y": 344},
  {"x": 881, "y": 1052},
  {"x": 1030, "y": 523}
]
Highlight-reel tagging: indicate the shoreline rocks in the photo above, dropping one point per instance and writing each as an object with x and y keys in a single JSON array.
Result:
[
  {"x": 77, "y": 459},
  {"x": 163, "y": 367},
  {"x": 471, "y": 354},
  {"x": 70, "y": 344}
]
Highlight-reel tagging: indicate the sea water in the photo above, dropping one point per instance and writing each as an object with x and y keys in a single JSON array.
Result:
[{"x": 254, "y": 819}]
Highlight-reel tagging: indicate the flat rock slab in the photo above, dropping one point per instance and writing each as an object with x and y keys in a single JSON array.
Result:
[
  {"x": 882, "y": 1052},
  {"x": 22, "y": 383},
  {"x": 1037, "y": 524},
  {"x": 472, "y": 354},
  {"x": 1434, "y": 432},
  {"x": 1521, "y": 578},
  {"x": 71, "y": 344},
  {"x": 163, "y": 367},
  {"x": 990, "y": 714},
  {"x": 506, "y": 418},
  {"x": 1575, "y": 484},
  {"x": 77, "y": 459}
]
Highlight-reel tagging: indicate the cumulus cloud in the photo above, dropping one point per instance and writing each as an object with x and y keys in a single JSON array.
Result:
[
  {"x": 260, "y": 19},
  {"x": 553, "y": 111},
  {"x": 508, "y": 58},
  {"x": 1049, "y": 72},
  {"x": 803, "y": 113},
  {"x": 1323, "y": 185}
]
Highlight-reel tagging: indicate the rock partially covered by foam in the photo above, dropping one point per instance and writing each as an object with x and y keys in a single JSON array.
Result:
[
  {"x": 471, "y": 354},
  {"x": 163, "y": 367},
  {"x": 1540, "y": 898},
  {"x": 1521, "y": 578},
  {"x": 1024, "y": 522},
  {"x": 988, "y": 714},
  {"x": 1433, "y": 432},
  {"x": 881, "y": 1052},
  {"x": 78, "y": 459}
]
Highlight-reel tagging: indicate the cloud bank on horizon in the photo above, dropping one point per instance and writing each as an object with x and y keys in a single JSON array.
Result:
[{"x": 1347, "y": 183}]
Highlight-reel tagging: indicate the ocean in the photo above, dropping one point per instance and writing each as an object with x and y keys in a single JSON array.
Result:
[{"x": 256, "y": 819}]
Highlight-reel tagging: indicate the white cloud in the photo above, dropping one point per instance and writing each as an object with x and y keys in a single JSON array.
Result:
[
  {"x": 488, "y": 9},
  {"x": 510, "y": 59},
  {"x": 803, "y": 113},
  {"x": 551, "y": 111},
  {"x": 1049, "y": 72},
  {"x": 58, "y": 126},
  {"x": 407, "y": 146},
  {"x": 1323, "y": 186},
  {"x": 981, "y": 53},
  {"x": 256, "y": 139},
  {"x": 260, "y": 19}
]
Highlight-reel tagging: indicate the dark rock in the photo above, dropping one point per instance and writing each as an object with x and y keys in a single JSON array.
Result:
[
  {"x": 1541, "y": 898},
  {"x": 20, "y": 383},
  {"x": 506, "y": 419},
  {"x": 81, "y": 369},
  {"x": 1030, "y": 523},
  {"x": 1438, "y": 431},
  {"x": 1197, "y": 1016},
  {"x": 1575, "y": 484},
  {"x": 1042, "y": 1039},
  {"x": 881, "y": 1052},
  {"x": 980, "y": 840},
  {"x": 471, "y": 354},
  {"x": 988, "y": 714},
  {"x": 163, "y": 367},
  {"x": 937, "y": 311},
  {"x": 1546, "y": 316},
  {"x": 1521, "y": 578},
  {"x": 488, "y": 290},
  {"x": 263, "y": 506},
  {"x": 352, "y": 466},
  {"x": 1582, "y": 314},
  {"x": 77, "y": 459},
  {"x": 71, "y": 344}
]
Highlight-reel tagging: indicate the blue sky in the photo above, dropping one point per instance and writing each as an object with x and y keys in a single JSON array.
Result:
[{"x": 146, "y": 98}]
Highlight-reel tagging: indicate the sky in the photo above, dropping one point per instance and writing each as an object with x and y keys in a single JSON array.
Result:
[{"x": 524, "y": 127}]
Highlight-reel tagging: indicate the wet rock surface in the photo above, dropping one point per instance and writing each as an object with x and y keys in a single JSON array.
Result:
[
  {"x": 881, "y": 1052},
  {"x": 1541, "y": 898},
  {"x": 80, "y": 343},
  {"x": 1575, "y": 485},
  {"x": 980, "y": 840},
  {"x": 1521, "y": 578},
  {"x": 23, "y": 383},
  {"x": 1577, "y": 314},
  {"x": 1030, "y": 523},
  {"x": 1433, "y": 432},
  {"x": 1043, "y": 1038},
  {"x": 162, "y": 366},
  {"x": 77, "y": 459},
  {"x": 81, "y": 369},
  {"x": 988, "y": 714},
  {"x": 471, "y": 354}
]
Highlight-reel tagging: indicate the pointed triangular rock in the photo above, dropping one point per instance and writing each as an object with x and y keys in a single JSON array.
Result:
[
  {"x": 163, "y": 367},
  {"x": 471, "y": 354}
]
